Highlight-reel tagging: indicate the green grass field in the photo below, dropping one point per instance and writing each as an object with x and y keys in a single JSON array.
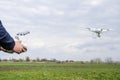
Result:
[{"x": 55, "y": 71}]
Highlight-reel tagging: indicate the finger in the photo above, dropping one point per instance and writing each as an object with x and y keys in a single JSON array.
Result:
[
  {"x": 25, "y": 48},
  {"x": 20, "y": 41},
  {"x": 18, "y": 52}
]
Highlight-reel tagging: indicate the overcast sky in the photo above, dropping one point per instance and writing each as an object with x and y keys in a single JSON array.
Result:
[{"x": 58, "y": 28}]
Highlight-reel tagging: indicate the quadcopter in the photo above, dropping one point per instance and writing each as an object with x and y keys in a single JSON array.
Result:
[
  {"x": 98, "y": 31},
  {"x": 21, "y": 34}
]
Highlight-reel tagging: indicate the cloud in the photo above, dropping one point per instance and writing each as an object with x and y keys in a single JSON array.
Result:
[{"x": 95, "y": 2}]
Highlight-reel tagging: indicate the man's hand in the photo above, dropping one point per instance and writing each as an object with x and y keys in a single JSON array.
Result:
[{"x": 19, "y": 48}]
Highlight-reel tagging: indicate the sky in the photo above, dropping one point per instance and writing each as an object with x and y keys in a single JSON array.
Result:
[{"x": 58, "y": 28}]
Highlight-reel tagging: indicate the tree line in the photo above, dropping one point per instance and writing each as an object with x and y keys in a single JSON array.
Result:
[{"x": 27, "y": 59}]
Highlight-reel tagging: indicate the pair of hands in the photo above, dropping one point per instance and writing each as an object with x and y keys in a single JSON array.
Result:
[{"x": 18, "y": 48}]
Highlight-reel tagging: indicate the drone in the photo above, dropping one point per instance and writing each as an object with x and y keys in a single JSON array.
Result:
[
  {"x": 98, "y": 31},
  {"x": 21, "y": 34}
]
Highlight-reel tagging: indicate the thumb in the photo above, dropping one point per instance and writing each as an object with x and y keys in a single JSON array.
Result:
[{"x": 20, "y": 41}]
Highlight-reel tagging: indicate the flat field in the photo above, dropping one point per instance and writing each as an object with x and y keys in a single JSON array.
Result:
[{"x": 58, "y": 71}]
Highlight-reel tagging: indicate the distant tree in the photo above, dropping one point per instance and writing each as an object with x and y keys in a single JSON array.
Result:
[
  {"x": 44, "y": 60},
  {"x": 21, "y": 60},
  {"x": 59, "y": 62},
  {"x": 5, "y": 60},
  {"x": 71, "y": 60},
  {"x": 53, "y": 60},
  {"x": 92, "y": 61},
  {"x": 37, "y": 59},
  {"x": 14, "y": 60},
  {"x": 27, "y": 59},
  {"x": 96, "y": 60},
  {"x": 82, "y": 62},
  {"x": 66, "y": 61},
  {"x": 0, "y": 59},
  {"x": 34, "y": 60},
  {"x": 109, "y": 60}
]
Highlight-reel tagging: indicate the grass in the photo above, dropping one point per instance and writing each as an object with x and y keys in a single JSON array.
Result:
[{"x": 54, "y": 71}]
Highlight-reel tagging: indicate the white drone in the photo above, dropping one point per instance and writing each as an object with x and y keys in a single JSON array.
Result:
[
  {"x": 98, "y": 31},
  {"x": 21, "y": 34}
]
